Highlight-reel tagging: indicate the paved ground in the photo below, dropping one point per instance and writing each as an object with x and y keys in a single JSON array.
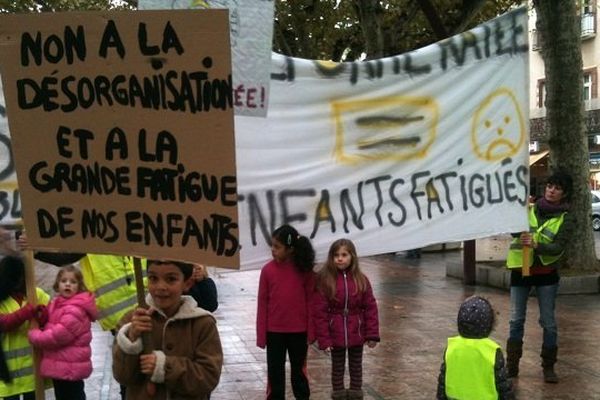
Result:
[{"x": 417, "y": 306}]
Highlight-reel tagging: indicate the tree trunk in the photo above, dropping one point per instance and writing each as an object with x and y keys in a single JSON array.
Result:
[
  {"x": 369, "y": 15},
  {"x": 558, "y": 24}
]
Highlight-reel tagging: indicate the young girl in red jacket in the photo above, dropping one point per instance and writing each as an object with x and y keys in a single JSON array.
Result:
[
  {"x": 65, "y": 339},
  {"x": 345, "y": 317},
  {"x": 283, "y": 316}
]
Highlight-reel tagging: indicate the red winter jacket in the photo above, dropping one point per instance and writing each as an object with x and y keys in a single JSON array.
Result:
[
  {"x": 350, "y": 319},
  {"x": 284, "y": 299}
]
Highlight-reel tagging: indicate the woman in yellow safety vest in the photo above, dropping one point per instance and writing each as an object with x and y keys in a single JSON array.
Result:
[
  {"x": 473, "y": 366},
  {"x": 18, "y": 377},
  {"x": 549, "y": 228}
]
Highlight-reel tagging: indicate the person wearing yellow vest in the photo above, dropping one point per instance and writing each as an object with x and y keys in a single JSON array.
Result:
[
  {"x": 473, "y": 365},
  {"x": 110, "y": 278},
  {"x": 550, "y": 225},
  {"x": 18, "y": 377}
]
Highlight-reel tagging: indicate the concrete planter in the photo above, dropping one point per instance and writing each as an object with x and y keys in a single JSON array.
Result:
[{"x": 500, "y": 278}]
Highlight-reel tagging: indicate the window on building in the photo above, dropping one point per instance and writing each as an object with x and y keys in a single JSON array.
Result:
[
  {"x": 541, "y": 93},
  {"x": 587, "y": 86},
  {"x": 587, "y": 7},
  {"x": 588, "y": 18},
  {"x": 535, "y": 40}
]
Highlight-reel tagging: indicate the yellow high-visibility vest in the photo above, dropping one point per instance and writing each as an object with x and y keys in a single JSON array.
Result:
[
  {"x": 112, "y": 281},
  {"x": 544, "y": 233},
  {"x": 17, "y": 350},
  {"x": 470, "y": 369}
]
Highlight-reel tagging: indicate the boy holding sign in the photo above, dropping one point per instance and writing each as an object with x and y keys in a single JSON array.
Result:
[{"x": 188, "y": 364}]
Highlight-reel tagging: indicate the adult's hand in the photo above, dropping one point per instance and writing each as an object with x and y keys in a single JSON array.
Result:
[{"x": 22, "y": 243}]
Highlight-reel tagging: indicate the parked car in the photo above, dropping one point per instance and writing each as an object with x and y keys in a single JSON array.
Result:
[{"x": 596, "y": 210}]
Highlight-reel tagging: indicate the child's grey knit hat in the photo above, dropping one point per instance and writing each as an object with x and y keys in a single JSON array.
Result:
[{"x": 475, "y": 318}]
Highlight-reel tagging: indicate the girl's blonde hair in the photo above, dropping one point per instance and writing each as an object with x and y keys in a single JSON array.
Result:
[
  {"x": 78, "y": 275},
  {"x": 327, "y": 277}
]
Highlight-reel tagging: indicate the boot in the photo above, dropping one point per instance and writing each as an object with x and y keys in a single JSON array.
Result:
[
  {"x": 339, "y": 394},
  {"x": 355, "y": 394},
  {"x": 548, "y": 361},
  {"x": 514, "y": 351}
]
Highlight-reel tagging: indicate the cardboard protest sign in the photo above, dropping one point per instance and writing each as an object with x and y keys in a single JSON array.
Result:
[{"x": 122, "y": 132}]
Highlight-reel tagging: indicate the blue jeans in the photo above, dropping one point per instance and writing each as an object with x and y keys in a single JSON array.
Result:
[{"x": 546, "y": 296}]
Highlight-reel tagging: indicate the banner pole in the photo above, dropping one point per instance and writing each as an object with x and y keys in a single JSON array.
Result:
[{"x": 526, "y": 255}]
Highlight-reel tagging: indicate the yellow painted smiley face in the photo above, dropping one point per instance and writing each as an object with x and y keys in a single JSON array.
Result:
[{"x": 498, "y": 129}]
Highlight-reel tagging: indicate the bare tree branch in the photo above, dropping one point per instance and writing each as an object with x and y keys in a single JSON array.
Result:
[
  {"x": 433, "y": 18},
  {"x": 470, "y": 9}
]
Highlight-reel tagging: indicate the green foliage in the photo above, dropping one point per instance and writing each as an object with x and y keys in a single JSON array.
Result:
[
  {"x": 328, "y": 29},
  {"x": 22, "y": 6},
  {"x": 333, "y": 29}
]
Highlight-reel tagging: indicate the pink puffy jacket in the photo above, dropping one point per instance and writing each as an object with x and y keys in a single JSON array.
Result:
[
  {"x": 350, "y": 319},
  {"x": 65, "y": 339}
]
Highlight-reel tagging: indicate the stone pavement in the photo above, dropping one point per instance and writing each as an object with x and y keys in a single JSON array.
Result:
[{"x": 417, "y": 310}]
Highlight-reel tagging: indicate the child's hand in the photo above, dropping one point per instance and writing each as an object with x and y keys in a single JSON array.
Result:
[
  {"x": 371, "y": 343},
  {"x": 41, "y": 315},
  {"x": 140, "y": 322},
  {"x": 148, "y": 363}
]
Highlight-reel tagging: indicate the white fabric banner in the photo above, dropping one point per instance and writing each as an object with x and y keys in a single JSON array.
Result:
[
  {"x": 251, "y": 27},
  {"x": 10, "y": 201},
  {"x": 398, "y": 153}
]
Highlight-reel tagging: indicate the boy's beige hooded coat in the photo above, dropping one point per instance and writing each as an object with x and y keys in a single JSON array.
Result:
[{"x": 188, "y": 350}]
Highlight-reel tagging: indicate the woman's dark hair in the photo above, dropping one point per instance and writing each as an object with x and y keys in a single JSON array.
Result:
[
  {"x": 12, "y": 276},
  {"x": 186, "y": 268},
  {"x": 564, "y": 180},
  {"x": 303, "y": 254}
]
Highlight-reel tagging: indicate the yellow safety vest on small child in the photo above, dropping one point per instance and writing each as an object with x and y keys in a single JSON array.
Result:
[{"x": 470, "y": 369}]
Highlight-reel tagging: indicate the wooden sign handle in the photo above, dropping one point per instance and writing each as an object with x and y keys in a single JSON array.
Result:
[
  {"x": 30, "y": 287},
  {"x": 146, "y": 336},
  {"x": 526, "y": 255}
]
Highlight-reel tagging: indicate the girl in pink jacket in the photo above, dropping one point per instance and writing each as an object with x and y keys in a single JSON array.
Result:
[
  {"x": 65, "y": 339},
  {"x": 345, "y": 317}
]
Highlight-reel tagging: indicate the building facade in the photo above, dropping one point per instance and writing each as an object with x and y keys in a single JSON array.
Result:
[{"x": 590, "y": 52}]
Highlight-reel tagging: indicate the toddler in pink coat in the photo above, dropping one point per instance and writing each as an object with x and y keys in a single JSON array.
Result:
[{"x": 65, "y": 339}]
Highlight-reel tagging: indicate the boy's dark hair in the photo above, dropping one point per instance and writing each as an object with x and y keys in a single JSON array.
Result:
[
  {"x": 12, "y": 276},
  {"x": 186, "y": 268},
  {"x": 476, "y": 318},
  {"x": 564, "y": 180},
  {"x": 303, "y": 254}
]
